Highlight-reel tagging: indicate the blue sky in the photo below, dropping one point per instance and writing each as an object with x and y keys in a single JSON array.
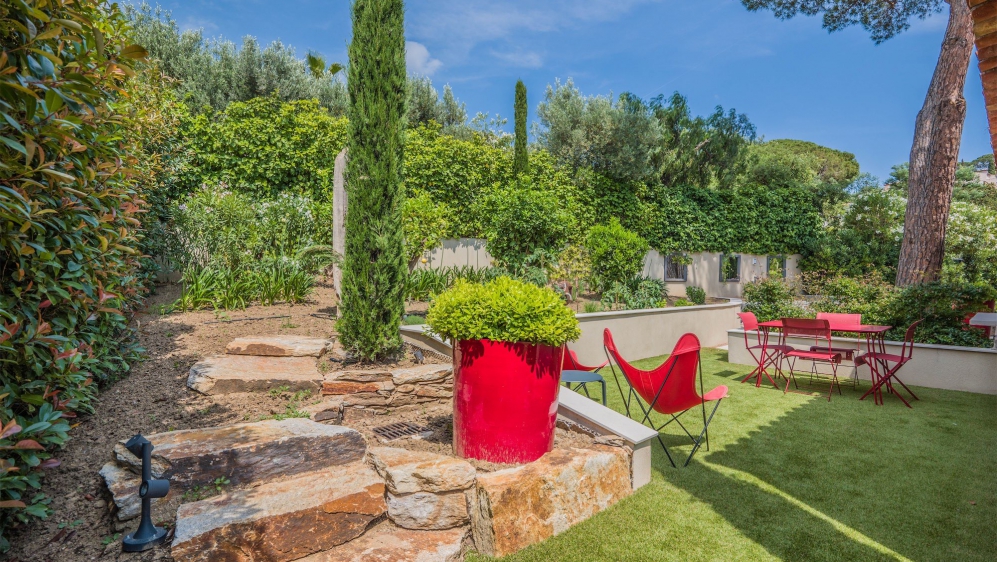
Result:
[{"x": 792, "y": 78}]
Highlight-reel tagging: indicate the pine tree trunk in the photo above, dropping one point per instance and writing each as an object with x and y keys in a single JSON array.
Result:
[{"x": 935, "y": 154}]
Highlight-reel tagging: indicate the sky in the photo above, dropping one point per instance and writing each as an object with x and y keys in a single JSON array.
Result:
[{"x": 792, "y": 78}]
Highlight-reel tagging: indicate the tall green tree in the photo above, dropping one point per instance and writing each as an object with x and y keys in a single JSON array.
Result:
[
  {"x": 374, "y": 266},
  {"x": 521, "y": 160},
  {"x": 934, "y": 154}
]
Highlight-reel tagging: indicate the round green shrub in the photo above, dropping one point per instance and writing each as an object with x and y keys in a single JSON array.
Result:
[
  {"x": 696, "y": 294},
  {"x": 617, "y": 253},
  {"x": 503, "y": 310}
]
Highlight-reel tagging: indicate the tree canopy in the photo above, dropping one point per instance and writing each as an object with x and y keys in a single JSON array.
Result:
[{"x": 881, "y": 19}]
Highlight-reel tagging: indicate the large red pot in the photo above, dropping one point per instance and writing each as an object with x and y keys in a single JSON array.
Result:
[{"x": 505, "y": 400}]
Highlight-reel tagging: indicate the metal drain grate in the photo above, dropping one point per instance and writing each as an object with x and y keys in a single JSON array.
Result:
[{"x": 398, "y": 430}]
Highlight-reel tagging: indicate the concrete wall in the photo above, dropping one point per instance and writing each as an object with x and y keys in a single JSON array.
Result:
[
  {"x": 458, "y": 252},
  {"x": 704, "y": 271},
  {"x": 640, "y": 334},
  {"x": 968, "y": 369}
]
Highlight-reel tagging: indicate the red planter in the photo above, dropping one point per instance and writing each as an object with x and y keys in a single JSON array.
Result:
[{"x": 505, "y": 400}]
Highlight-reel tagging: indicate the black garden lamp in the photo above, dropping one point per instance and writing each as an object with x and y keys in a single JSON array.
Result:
[{"x": 147, "y": 535}]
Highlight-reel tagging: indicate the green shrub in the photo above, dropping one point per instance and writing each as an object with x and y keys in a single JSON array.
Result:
[
  {"x": 943, "y": 306},
  {"x": 78, "y": 159},
  {"x": 522, "y": 219},
  {"x": 617, "y": 254},
  {"x": 503, "y": 310},
  {"x": 771, "y": 298},
  {"x": 696, "y": 294},
  {"x": 425, "y": 223},
  {"x": 636, "y": 294},
  {"x": 683, "y": 302},
  {"x": 265, "y": 148},
  {"x": 867, "y": 295}
]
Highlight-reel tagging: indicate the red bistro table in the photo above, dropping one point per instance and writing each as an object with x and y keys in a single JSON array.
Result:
[{"x": 875, "y": 338}]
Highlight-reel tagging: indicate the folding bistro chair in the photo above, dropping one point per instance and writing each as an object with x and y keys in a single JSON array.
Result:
[
  {"x": 574, "y": 372},
  {"x": 820, "y": 331},
  {"x": 883, "y": 373},
  {"x": 842, "y": 319},
  {"x": 772, "y": 352},
  {"x": 669, "y": 389}
]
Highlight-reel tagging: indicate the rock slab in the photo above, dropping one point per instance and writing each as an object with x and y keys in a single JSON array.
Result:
[
  {"x": 406, "y": 472},
  {"x": 225, "y": 374},
  {"x": 388, "y": 543},
  {"x": 516, "y": 507},
  {"x": 279, "y": 346},
  {"x": 428, "y": 511},
  {"x": 248, "y": 452},
  {"x": 123, "y": 485},
  {"x": 281, "y": 521}
]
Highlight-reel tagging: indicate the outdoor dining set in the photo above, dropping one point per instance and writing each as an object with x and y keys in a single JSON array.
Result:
[{"x": 817, "y": 332}]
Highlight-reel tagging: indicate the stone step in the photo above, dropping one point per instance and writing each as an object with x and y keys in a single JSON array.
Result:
[
  {"x": 388, "y": 543},
  {"x": 516, "y": 507},
  {"x": 425, "y": 490},
  {"x": 225, "y": 374},
  {"x": 280, "y": 346},
  {"x": 281, "y": 521},
  {"x": 248, "y": 452}
]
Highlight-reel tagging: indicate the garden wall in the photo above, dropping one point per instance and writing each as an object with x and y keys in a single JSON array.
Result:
[
  {"x": 969, "y": 369},
  {"x": 640, "y": 334},
  {"x": 704, "y": 271}
]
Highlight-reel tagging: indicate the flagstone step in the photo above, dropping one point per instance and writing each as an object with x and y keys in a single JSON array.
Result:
[
  {"x": 280, "y": 346},
  {"x": 247, "y": 452},
  {"x": 283, "y": 520},
  {"x": 225, "y": 374},
  {"x": 388, "y": 543}
]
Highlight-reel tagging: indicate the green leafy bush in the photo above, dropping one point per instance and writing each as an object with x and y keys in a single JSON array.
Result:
[
  {"x": 771, "y": 298},
  {"x": 425, "y": 223},
  {"x": 617, "y": 254},
  {"x": 683, "y": 302},
  {"x": 522, "y": 219},
  {"x": 696, "y": 294},
  {"x": 943, "y": 306},
  {"x": 637, "y": 293},
  {"x": 77, "y": 161},
  {"x": 503, "y": 310}
]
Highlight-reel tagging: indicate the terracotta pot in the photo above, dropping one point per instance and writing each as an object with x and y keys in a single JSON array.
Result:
[{"x": 505, "y": 400}]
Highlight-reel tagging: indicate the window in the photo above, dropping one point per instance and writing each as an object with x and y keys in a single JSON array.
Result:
[
  {"x": 676, "y": 268},
  {"x": 776, "y": 266},
  {"x": 730, "y": 268}
]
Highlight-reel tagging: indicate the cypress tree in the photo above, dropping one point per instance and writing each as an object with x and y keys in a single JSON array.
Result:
[
  {"x": 374, "y": 266},
  {"x": 521, "y": 160}
]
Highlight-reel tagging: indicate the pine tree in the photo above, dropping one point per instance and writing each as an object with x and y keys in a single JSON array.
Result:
[
  {"x": 521, "y": 160},
  {"x": 374, "y": 266}
]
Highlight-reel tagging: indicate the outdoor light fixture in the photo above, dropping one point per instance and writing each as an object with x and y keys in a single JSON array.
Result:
[{"x": 147, "y": 535}]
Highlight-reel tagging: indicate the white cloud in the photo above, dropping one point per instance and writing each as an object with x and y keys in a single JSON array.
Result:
[
  {"x": 193, "y": 24},
  {"x": 519, "y": 58},
  {"x": 418, "y": 61}
]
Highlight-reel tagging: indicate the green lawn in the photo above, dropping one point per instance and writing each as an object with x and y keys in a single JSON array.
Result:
[{"x": 794, "y": 477}]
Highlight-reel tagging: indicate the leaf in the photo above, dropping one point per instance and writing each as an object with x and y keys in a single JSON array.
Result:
[
  {"x": 15, "y": 145},
  {"x": 29, "y": 445},
  {"x": 12, "y": 504},
  {"x": 11, "y": 429},
  {"x": 134, "y": 52}
]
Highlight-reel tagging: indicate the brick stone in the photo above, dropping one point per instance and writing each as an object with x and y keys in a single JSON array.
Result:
[
  {"x": 516, "y": 507},
  {"x": 281, "y": 521},
  {"x": 248, "y": 452},
  {"x": 348, "y": 387},
  {"x": 225, "y": 374},
  {"x": 359, "y": 376},
  {"x": 280, "y": 346},
  {"x": 421, "y": 374},
  {"x": 389, "y": 543}
]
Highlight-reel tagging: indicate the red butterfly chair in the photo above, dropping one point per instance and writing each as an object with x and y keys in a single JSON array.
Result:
[
  {"x": 772, "y": 352},
  {"x": 841, "y": 319},
  {"x": 574, "y": 372},
  {"x": 669, "y": 389},
  {"x": 882, "y": 372},
  {"x": 820, "y": 331}
]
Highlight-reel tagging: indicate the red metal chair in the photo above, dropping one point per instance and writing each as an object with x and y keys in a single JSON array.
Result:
[
  {"x": 820, "y": 331},
  {"x": 841, "y": 319},
  {"x": 669, "y": 389},
  {"x": 574, "y": 372},
  {"x": 883, "y": 373},
  {"x": 772, "y": 352}
]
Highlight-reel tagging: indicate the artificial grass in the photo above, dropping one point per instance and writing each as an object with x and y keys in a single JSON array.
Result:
[{"x": 794, "y": 477}]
